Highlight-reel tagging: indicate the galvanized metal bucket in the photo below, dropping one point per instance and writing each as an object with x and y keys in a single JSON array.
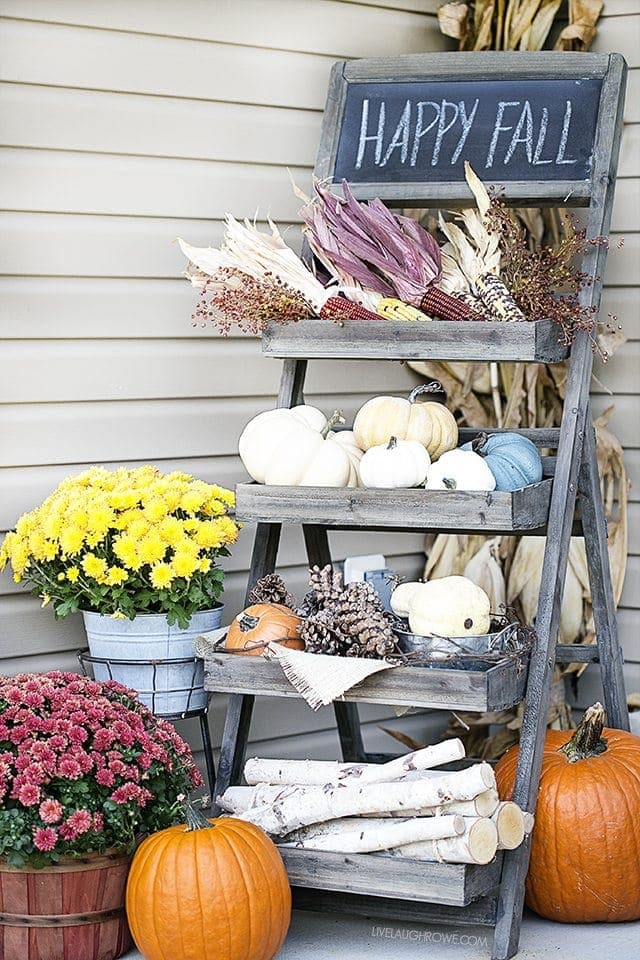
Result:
[
  {"x": 445, "y": 648},
  {"x": 139, "y": 653}
]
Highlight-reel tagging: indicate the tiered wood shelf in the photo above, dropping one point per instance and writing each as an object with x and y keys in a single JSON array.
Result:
[
  {"x": 377, "y": 884},
  {"x": 537, "y": 342},
  {"x": 495, "y": 686}
]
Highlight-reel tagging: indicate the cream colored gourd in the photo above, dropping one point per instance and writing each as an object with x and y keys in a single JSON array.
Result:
[
  {"x": 347, "y": 440},
  {"x": 295, "y": 448},
  {"x": 402, "y": 596},
  {"x": 431, "y": 424},
  {"x": 399, "y": 463},
  {"x": 449, "y": 607},
  {"x": 460, "y": 470}
]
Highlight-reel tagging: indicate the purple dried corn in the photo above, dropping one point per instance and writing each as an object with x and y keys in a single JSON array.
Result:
[
  {"x": 446, "y": 307},
  {"x": 339, "y": 308}
]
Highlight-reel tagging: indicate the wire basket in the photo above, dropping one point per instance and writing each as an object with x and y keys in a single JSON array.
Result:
[{"x": 169, "y": 688}]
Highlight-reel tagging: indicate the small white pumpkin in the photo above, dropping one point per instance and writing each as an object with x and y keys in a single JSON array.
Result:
[
  {"x": 431, "y": 424},
  {"x": 347, "y": 440},
  {"x": 295, "y": 448},
  {"x": 401, "y": 597},
  {"x": 460, "y": 470},
  {"x": 399, "y": 463},
  {"x": 449, "y": 607}
]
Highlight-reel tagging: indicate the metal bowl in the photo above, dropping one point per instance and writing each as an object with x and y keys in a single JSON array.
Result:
[{"x": 446, "y": 648}]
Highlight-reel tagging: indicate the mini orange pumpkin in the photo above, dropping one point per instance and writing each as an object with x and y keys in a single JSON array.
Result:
[
  {"x": 585, "y": 847},
  {"x": 208, "y": 890},
  {"x": 264, "y": 623}
]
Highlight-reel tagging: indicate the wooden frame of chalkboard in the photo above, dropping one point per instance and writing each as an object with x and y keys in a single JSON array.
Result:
[{"x": 400, "y": 128}]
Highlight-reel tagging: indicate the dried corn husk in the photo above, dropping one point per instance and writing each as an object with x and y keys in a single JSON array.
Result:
[
  {"x": 485, "y": 569},
  {"x": 256, "y": 254},
  {"x": 450, "y": 554},
  {"x": 525, "y": 576}
]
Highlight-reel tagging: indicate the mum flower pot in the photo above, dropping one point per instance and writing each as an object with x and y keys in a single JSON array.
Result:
[
  {"x": 152, "y": 657},
  {"x": 65, "y": 911}
]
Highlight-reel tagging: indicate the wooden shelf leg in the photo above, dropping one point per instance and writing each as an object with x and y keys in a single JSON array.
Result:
[
  {"x": 240, "y": 706},
  {"x": 594, "y": 526},
  {"x": 347, "y": 717}
]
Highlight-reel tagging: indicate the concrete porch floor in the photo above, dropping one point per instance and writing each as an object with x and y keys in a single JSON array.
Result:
[{"x": 321, "y": 936}]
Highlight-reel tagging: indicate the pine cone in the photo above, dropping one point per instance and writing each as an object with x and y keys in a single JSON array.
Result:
[
  {"x": 320, "y": 636},
  {"x": 271, "y": 589},
  {"x": 326, "y": 584}
]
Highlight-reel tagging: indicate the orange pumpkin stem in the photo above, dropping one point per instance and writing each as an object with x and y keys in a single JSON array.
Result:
[
  {"x": 587, "y": 741},
  {"x": 196, "y": 819}
]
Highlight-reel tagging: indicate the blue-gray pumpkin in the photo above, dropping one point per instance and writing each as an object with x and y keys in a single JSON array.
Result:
[{"x": 513, "y": 459}]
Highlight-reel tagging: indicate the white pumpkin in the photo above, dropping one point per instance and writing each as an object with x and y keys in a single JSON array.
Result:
[
  {"x": 431, "y": 424},
  {"x": 449, "y": 607},
  {"x": 460, "y": 470},
  {"x": 295, "y": 448},
  {"x": 401, "y": 597},
  {"x": 399, "y": 463},
  {"x": 347, "y": 440}
]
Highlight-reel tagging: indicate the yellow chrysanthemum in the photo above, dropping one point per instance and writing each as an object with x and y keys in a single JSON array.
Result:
[
  {"x": 138, "y": 528},
  {"x": 99, "y": 520},
  {"x": 195, "y": 496},
  {"x": 72, "y": 574},
  {"x": 184, "y": 564},
  {"x": 228, "y": 497},
  {"x": 171, "y": 530},
  {"x": 126, "y": 550},
  {"x": 124, "y": 499},
  {"x": 204, "y": 565},
  {"x": 152, "y": 548},
  {"x": 161, "y": 575},
  {"x": 214, "y": 507},
  {"x": 155, "y": 510},
  {"x": 71, "y": 540},
  {"x": 115, "y": 576},
  {"x": 93, "y": 566}
]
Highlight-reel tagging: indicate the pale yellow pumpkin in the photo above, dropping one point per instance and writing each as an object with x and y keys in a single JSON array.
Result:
[{"x": 431, "y": 424}]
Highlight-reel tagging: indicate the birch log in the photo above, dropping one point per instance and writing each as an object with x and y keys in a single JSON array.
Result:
[
  {"x": 239, "y": 799},
  {"x": 478, "y": 844},
  {"x": 481, "y": 806},
  {"x": 322, "y": 772},
  {"x": 509, "y": 821},
  {"x": 529, "y": 821},
  {"x": 307, "y": 805},
  {"x": 366, "y": 836}
]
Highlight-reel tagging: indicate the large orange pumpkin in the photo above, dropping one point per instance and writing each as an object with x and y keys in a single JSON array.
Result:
[
  {"x": 264, "y": 623},
  {"x": 208, "y": 890},
  {"x": 585, "y": 847}
]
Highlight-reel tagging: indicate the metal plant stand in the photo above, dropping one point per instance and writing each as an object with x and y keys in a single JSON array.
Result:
[{"x": 151, "y": 696}]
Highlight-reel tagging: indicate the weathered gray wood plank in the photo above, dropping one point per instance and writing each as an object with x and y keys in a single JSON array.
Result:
[
  {"x": 482, "y": 911},
  {"x": 430, "y": 340},
  {"x": 414, "y": 509},
  {"x": 498, "y": 65},
  {"x": 499, "y": 687},
  {"x": 384, "y": 876}
]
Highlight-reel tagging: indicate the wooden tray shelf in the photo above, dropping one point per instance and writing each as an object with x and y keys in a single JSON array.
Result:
[
  {"x": 396, "y": 340},
  {"x": 455, "y": 884},
  {"x": 491, "y": 687},
  {"x": 420, "y": 509}
]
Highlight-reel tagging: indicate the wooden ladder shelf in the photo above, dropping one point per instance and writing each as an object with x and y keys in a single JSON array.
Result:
[{"x": 384, "y": 887}]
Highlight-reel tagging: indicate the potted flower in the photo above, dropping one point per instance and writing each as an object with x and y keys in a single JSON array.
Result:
[
  {"x": 136, "y": 552},
  {"x": 85, "y": 772}
]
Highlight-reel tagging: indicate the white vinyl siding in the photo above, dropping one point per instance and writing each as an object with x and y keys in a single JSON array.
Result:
[{"x": 127, "y": 123}]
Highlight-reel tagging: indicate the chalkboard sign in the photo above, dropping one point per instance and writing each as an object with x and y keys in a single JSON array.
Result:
[
  {"x": 507, "y": 130},
  {"x": 401, "y": 128}
]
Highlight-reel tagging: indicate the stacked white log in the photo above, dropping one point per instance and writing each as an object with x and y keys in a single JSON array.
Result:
[{"x": 403, "y": 808}]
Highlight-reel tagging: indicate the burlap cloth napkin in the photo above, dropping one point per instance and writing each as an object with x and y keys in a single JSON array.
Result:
[{"x": 319, "y": 678}]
